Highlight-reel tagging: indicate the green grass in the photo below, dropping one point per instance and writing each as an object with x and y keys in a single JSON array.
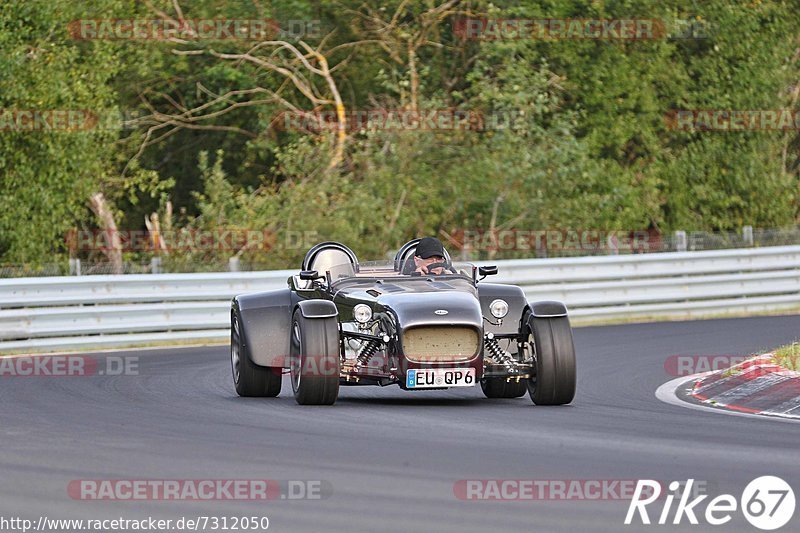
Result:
[{"x": 788, "y": 356}]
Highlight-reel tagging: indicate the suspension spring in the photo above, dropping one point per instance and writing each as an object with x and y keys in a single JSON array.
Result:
[
  {"x": 367, "y": 352},
  {"x": 499, "y": 354}
]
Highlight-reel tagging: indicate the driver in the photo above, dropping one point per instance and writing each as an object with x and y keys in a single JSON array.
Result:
[{"x": 429, "y": 251}]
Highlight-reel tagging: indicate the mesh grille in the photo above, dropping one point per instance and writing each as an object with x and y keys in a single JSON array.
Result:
[{"x": 440, "y": 343}]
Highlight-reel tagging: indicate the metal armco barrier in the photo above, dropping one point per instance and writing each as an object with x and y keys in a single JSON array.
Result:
[{"x": 73, "y": 313}]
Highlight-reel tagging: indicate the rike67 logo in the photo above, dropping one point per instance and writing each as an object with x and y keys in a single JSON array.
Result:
[{"x": 767, "y": 503}]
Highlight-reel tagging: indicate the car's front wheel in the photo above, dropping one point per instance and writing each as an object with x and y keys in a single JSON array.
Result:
[
  {"x": 314, "y": 359},
  {"x": 554, "y": 369},
  {"x": 249, "y": 378}
]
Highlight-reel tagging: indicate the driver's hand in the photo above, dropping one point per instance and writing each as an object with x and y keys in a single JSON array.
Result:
[{"x": 423, "y": 269}]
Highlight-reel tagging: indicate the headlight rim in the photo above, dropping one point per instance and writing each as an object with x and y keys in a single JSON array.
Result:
[
  {"x": 360, "y": 318},
  {"x": 503, "y": 305}
]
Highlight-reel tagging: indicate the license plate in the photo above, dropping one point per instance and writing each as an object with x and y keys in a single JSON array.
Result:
[{"x": 440, "y": 377}]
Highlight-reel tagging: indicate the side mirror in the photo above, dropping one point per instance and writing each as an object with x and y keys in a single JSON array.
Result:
[
  {"x": 487, "y": 271},
  {"x": 309, "y": 275}
]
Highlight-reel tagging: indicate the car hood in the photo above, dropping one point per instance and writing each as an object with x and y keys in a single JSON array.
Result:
[{"x": 447, "y": 307}]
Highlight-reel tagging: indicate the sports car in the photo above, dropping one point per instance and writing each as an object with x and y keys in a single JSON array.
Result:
[{"x": 341, "y": 322}]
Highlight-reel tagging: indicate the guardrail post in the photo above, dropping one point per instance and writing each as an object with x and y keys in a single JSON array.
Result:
[
  {"x": 747, "y": 235},
  {"x": 233, "y": 264},
  {"x": 155, "y": 265},
  {"x": 74, "y": 266},
  {"x": 681, "y": 241}
]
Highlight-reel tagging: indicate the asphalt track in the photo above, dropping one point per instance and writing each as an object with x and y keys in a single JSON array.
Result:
[{"x": 392, "y": 457}]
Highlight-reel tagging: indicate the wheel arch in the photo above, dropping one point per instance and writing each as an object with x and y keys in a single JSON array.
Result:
[
  {"x": 265, "y": 318},
  {"x": 317, "y": 308},
  {"x": 548, "y": 309}
]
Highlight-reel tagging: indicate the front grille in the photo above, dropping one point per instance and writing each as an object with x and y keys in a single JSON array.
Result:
[{"x": 436, "y": 344}]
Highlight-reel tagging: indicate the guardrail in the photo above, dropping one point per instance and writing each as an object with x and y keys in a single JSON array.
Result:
[{"x": 68, "y": 313}]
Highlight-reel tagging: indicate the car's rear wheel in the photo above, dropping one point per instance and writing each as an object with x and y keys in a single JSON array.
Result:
[
  {"x": 554, "y": 375},
  {"x": 314, "y": 359},
  {"x": 249, "y": 378},
  {"x": 500, "y": 388}
]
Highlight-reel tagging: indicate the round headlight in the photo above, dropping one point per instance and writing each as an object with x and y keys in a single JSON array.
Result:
[
  {"x": 362, "y": 313},
  {"x": 498, "y": 308}
]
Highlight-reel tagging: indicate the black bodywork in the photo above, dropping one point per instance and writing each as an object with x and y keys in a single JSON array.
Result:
[{"x": 402, "y": 308}]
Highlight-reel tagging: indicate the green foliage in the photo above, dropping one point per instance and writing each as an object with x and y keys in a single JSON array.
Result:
[
  {"x": 575, "y": 133},
  {"x": 46, "y": 176}
]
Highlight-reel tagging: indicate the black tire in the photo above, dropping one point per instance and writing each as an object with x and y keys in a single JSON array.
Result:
[
  {"x": 500, "y": 388},
  {"x": 249, "y": 378},
  {"x": 314, "y": 360},
  {"x": 553, "y": 382}
]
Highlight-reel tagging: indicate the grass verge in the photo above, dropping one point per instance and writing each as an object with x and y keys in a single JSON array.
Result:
[{"x": 788, "y": 356}]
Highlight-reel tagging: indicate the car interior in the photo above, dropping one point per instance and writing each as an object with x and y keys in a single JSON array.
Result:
[
  {"x": 331, "y": 255},
  {"x": 404, "y": 259}
]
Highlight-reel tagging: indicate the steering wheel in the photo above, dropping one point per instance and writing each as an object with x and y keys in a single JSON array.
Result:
[{"x": 442, "y": 264}]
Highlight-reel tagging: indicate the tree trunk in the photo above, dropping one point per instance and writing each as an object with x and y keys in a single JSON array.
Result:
[{"x": 114, "y": 249}]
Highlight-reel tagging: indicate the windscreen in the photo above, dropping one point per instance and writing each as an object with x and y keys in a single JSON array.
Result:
[{"x": 388, "y": 269}]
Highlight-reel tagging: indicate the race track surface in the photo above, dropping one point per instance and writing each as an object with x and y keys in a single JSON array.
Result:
[{"x": 392, "y": 457}]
